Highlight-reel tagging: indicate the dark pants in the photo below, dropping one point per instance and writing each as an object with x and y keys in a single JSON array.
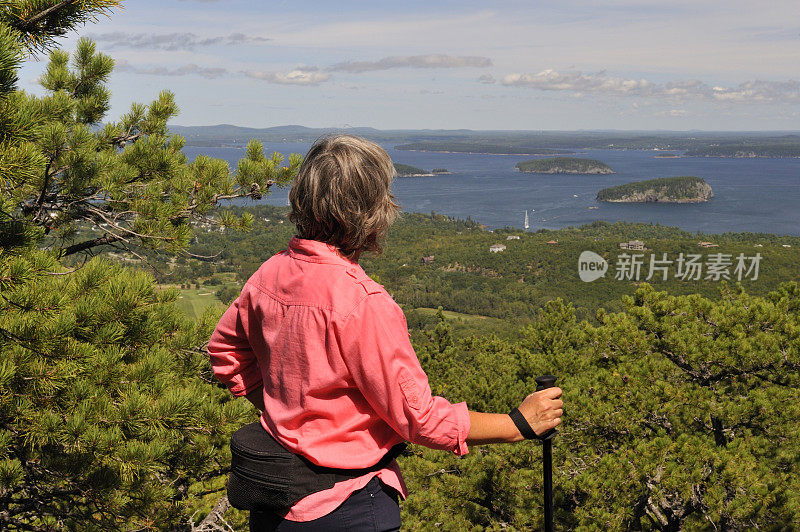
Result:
[{"x": 373, "y": 508}]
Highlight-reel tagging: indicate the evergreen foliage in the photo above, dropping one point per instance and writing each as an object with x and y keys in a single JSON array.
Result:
[
  {"x": 38, "y": 23},
  {"x": 129, "y": 179},
  {"x": 110, "y": 418},
  {"x": 680, "y": 413},
  {"x": 109, "y": 412}
]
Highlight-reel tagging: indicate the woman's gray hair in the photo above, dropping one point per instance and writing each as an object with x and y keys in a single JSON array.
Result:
[{"x": 341, "y": 194}]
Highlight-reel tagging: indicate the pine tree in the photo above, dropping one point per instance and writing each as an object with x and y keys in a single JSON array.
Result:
[
  {"x": 681, "y": 413},
  {"x": 110, "y": 418}
]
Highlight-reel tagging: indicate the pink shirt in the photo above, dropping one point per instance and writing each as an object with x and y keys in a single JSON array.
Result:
[{"x": 330, "y": 349}]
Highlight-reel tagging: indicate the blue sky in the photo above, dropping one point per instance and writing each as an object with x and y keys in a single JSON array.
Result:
[{"x": 559, "y": 65}]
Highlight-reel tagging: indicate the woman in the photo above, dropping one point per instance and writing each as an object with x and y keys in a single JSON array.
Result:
[{"x": 323, "y": 350}]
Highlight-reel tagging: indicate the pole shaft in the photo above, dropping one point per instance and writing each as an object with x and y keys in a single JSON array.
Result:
[
  {"x": 542, "y": 383},
  {"x": 547, "y": 459}
]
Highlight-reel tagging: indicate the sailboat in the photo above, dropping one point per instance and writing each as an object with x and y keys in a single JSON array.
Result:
[{"x": 527, "y": 225}]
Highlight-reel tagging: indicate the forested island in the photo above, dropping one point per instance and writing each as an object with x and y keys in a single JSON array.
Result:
[
  {"x": 564, "y": 165},
  {"x": 405, "y": 170},
  {"x": 510, "y": 148},
  {"x": 682, "y": 189},
  {"x": 747, "y": 151}
]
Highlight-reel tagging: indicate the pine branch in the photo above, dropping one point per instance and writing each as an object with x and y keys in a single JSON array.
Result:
[
  {"x": 107, "y": 238},
  {"x": 25, "y": 25}
]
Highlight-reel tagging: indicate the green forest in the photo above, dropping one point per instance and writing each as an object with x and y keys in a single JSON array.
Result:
[{"x": 118, "y": 254}]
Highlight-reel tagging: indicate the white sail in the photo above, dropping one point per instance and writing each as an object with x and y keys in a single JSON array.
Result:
[{"x": 527, "y": 225}]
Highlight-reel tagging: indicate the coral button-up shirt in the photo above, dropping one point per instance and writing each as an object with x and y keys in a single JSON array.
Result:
[{"x": 330, "y": 350}]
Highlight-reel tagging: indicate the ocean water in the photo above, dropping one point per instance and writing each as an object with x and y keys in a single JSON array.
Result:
[{"x": 754, "y": 195}]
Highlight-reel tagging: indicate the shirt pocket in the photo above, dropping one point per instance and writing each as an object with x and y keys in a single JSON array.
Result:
[{"x": 410, "y": 389}]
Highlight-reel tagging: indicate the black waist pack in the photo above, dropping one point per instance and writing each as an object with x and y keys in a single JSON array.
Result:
[{"x": 266, "y": 476}]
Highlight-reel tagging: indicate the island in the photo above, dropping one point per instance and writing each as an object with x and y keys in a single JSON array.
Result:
[
  {"x": 681, "y": 189},
  {"x": 405, "y": 170},
  {"x": 666, "y": 156},
  {"x": 564, "y": 165}
]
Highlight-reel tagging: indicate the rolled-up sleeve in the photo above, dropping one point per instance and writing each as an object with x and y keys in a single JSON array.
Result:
[
  {"x": 374, "y": 343},
  {"x": 232, "y": 358}
]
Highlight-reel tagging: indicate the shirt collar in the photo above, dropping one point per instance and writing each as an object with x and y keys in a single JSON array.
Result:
[{"x": 316, "y": 251}]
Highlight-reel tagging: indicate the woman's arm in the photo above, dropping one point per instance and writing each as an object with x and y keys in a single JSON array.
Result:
[
  {"x": 542, "y": 410},
  {"x": 232, "y": 359}
]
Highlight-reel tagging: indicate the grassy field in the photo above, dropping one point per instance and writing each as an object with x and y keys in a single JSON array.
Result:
[
  {"x": 194, "y": 301},
  {"x": 462, "y": 324}
]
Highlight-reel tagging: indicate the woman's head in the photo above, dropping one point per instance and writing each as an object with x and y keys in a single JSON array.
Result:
[{"x": 341, "y": 194}]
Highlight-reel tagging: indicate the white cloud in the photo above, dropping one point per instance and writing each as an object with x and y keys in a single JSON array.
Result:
[
  {"x": 298, "y": 76},
  {"x": 551, "y": 80},
  {"x": 578, "y": 83},
  {"x": 413, "y": 61},
  {"x": 673, "y": 113}
]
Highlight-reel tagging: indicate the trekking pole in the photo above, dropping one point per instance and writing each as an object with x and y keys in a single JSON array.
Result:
[{"x": 542, "y": 383}]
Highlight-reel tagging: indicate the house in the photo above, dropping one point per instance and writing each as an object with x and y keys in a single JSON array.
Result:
[
  {"x": 497, "y": 248},
  {"x": 512, "y": 237},
  {"x": 636, "y": 245},
  {"x": 552, "y": 241},
  {"x": 427, "y": 260},
  {"x": 707, "y": 245}
]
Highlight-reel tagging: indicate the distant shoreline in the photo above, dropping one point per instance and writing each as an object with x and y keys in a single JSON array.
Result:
[{"x": 486, "y": 153}]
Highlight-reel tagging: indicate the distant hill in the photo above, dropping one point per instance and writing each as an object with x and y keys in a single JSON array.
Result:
[
  {"x": 510, "y": 148},
  {"x": 683, "y": 189},
  {"x": 494, "y": 142},
  {"x": 778, "y": 150},
  {"x": 564, "y": 165}
]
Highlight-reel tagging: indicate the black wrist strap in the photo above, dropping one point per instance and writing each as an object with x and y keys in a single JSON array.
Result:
[{"x": 523, "y": 425}]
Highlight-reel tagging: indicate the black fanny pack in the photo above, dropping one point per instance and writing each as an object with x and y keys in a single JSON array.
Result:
[{"x": 266, "y": 476}]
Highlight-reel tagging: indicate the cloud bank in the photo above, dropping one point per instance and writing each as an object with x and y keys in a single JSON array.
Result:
[
  {"x": 172, "y": 41},
  {"x": 185, "y": 70},
  {"x": 412, "y": 61},
  {"x": 757, "y": 91}
]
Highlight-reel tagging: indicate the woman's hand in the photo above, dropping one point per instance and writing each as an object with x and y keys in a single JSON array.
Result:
[{"x": 543, "y": 410}]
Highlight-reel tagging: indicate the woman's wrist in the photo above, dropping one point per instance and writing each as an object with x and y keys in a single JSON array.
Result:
[{"x": 492, "y": 428}]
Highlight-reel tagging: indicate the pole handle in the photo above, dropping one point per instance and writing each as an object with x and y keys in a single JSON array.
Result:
[{"x": 545, "y": 381}]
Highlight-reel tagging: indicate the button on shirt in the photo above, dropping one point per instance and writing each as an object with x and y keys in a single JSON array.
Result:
[{"x": 329, "y": 348}]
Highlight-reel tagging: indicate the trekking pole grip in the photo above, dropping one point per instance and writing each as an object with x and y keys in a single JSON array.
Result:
[{"x": 544, "y": 382}]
